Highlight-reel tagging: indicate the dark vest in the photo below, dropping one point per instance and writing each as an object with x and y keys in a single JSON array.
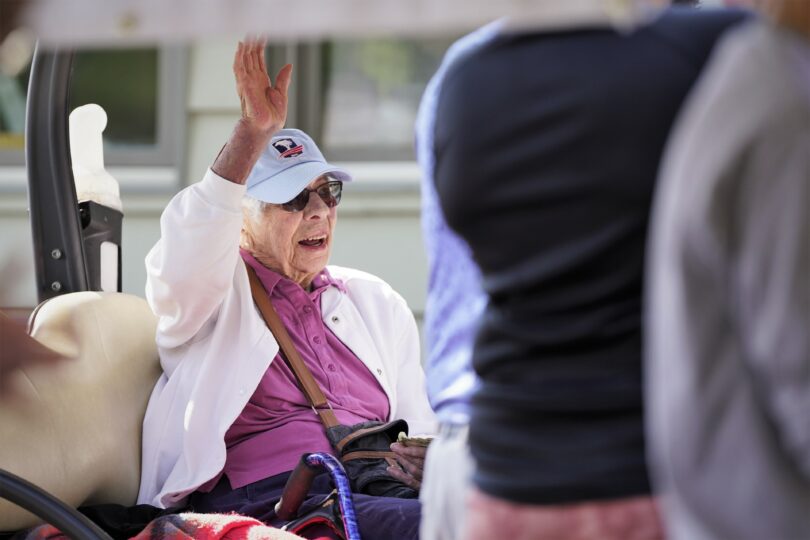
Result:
[{"x": 547, "y": 149}]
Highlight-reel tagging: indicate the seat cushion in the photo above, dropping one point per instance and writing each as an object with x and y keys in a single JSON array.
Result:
[{"x": 74, "y": 428}]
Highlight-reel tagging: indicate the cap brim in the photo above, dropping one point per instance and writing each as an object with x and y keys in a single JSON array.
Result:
[{"x": 284, "y": 186}]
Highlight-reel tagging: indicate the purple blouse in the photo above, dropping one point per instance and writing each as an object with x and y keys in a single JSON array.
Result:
[{"x": 277, "y": 425}]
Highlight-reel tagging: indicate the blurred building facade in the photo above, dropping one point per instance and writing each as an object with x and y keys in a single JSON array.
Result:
[{"x": 171, "y": 109}]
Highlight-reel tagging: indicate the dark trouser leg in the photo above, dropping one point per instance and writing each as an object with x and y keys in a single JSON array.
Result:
[
  {"x": 384, "y": 518},
  {"x": 379, "y": 518}
]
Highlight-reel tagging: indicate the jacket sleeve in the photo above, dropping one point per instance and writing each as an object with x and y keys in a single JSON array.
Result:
[
  {"x": 190, "y": 270},
  {"x": 771, "y": 279},
  {"x": 412, "y": 401}
]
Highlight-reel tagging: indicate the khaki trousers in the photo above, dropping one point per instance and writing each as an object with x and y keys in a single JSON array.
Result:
[{"x": 446, "y": 480}]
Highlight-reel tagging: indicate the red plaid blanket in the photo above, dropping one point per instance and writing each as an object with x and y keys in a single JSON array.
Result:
[{"x": 187, "y": 527}]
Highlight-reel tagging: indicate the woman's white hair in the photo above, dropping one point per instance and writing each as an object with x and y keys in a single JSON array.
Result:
[{"x": 252, "y": 207}]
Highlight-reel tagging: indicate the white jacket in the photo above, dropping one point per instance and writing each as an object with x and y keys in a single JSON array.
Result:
[{"x": 214, "y": 346}]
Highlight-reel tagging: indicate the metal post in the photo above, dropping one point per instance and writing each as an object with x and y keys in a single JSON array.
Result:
[{"x": 55, "y": 223}]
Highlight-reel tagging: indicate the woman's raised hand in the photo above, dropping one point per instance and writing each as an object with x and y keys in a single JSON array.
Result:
[
  {"x": 264, "y": 111},
  {"x": 264, "y": 104}
]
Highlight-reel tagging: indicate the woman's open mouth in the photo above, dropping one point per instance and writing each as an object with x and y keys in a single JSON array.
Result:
[{"x": 314, "y": 242}]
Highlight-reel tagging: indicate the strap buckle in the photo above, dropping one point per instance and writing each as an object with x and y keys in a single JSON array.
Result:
[{"x": 315, "y": 410}]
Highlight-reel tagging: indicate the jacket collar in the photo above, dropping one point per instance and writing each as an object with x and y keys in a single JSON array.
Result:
[{"x": 270, "y": 278}]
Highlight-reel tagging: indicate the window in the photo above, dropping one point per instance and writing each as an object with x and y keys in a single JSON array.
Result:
[
  {"x": 12, "y": 112},
  {"x": 359, "y": 99},
  {"x": 142, "y": 92},
  {"x": 124, "y": 83}
]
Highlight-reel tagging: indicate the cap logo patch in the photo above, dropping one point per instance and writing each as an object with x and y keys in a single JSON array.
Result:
[{"x": 288, "y": 148}]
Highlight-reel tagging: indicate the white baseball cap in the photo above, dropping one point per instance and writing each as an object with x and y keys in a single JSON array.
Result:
[{"x": 290, "y": 163}]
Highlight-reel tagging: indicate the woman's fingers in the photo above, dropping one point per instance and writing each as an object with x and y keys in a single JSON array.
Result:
[
  {"x": 404, "y": 477},
  {"x": 257, "y": 56},
  {"x": 263, "y": 105},
  {"x": 260, "y": 57},
  {"x": 245, "y": 58},
  {"x": 415, "y": 467},
  {"x": 283, "y": 79},
  {"x": 237, "y": 65},
  {"x": 256, "y": 62},
  {"x": 278, "y": 95},
  {"x": 249, "y": 57},
  {"x": 412, "y": 462},
  {"x": 412, "y": 452},
  {"x": 412, "y": 459}
]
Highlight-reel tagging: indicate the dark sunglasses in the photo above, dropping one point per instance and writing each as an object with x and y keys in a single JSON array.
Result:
[{"x": 329, "y": 193}]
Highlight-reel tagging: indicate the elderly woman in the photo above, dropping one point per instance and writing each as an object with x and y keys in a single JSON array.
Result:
[{"x": 227, "y": 422}]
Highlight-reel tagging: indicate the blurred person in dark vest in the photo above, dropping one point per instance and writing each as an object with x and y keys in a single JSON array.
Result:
[{"x": 543, "y": 152}]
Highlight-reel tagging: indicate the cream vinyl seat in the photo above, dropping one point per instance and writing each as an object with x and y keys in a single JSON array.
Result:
[{"x": 74, "y": 428}]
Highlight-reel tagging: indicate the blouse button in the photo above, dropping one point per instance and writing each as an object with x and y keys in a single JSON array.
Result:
[
  {"x": 317, "y": 339},
  {"x": 335, "y": 319},
  {"x": 332, "y": 368},
  {"x": 307, "y": 309},
  {"x": 379, "y": 371}
]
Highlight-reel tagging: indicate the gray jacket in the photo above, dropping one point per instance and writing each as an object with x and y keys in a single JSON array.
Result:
[{"x": 728, "y": 299}]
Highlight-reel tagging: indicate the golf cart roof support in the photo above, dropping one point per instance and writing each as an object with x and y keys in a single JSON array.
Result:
[{"x": 55, "y": 223}]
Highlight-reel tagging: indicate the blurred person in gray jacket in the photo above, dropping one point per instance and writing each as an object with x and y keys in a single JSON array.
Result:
[{"x": 728, "y": 313}]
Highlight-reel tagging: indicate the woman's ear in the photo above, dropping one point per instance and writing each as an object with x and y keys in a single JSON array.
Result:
[{"x": 245, "y": 239}]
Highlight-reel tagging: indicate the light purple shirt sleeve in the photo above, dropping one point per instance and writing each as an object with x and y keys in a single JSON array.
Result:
[{"x": 455, "y": 299}]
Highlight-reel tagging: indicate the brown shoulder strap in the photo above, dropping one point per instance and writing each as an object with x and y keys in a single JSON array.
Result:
[{"x": 306, "y": 381}]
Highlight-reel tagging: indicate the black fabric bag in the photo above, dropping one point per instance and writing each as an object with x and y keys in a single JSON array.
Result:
[{"x": 364, "y": 450}]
